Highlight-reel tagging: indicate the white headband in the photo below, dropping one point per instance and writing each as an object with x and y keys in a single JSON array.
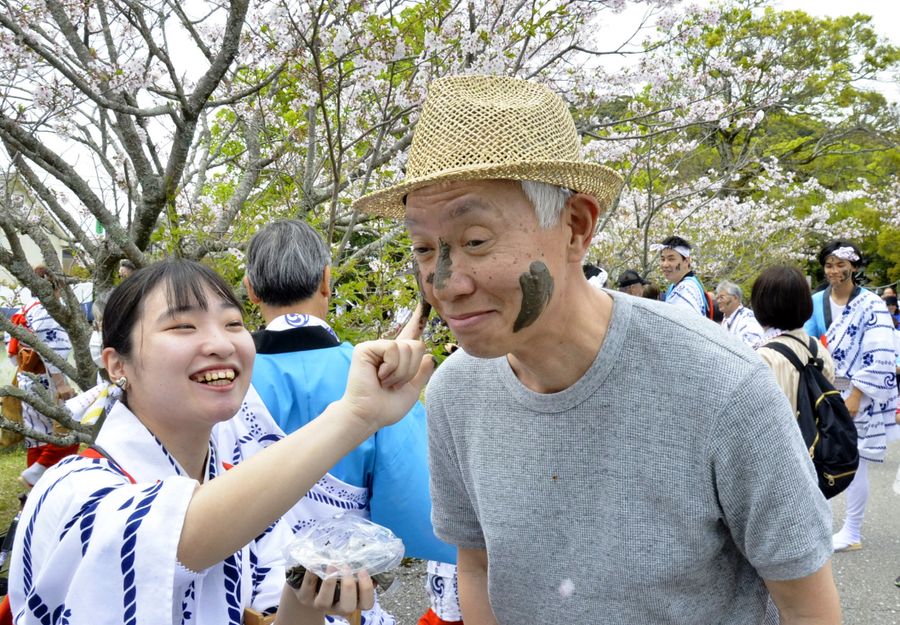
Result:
[
  {"x": 599, "y": 280},
  {"x": 658, "y": 247},
  {"x": 845, "y": 253}
]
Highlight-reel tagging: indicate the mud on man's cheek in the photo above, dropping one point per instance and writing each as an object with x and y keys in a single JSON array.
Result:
[{"x": 537, "y": 288}]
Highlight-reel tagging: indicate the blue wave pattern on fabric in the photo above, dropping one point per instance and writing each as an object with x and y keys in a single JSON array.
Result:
[
  {"x": 346, "y": 505},
  {"x": 233, "y": 589},
  {"x": 128, "y": 549},
  {"x": 263, "y": 440},
  {"x": 35, "y": 604}
]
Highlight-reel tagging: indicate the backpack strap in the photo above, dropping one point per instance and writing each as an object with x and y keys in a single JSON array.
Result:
[
  {"x": 787, "y": 352},
  {"x": 826, "y": 306},
  {"x": 811, "y": 346}
]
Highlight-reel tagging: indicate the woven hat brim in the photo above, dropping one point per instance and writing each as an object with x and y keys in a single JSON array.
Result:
[{"x": 591, "y": 178}]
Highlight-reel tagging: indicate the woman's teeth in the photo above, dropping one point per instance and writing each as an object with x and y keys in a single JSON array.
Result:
[{"x": 216, "y": 378}]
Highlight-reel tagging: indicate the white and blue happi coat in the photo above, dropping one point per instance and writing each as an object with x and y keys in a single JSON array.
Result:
[
  {"x": 253, "y": 429},
  {"x": 688, "y": 294},
  {"x": 861, "y": 342},
  {"x": 48, "y": 331},
  {"x": 97, "y": 542},
  {"x": 743, "y": 324}
]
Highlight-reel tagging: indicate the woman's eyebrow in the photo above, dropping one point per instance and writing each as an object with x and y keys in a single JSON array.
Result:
[{"x": 171, "y": 312}]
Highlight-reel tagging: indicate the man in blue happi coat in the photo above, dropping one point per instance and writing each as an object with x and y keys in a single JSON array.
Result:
[{"x": 302, "y": 366}]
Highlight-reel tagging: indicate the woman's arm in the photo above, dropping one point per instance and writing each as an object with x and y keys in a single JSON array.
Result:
[{"x": 227, "y": 513}]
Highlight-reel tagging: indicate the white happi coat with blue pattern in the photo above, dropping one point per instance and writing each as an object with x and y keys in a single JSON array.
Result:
[{"x": 96, "y": 543}]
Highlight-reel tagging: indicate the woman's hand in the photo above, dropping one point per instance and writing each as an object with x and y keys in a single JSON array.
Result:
[
  {"x": 352, "y": 594},
  {"x": 415, "y": 326},
  {"x": 853, "y": 400},
  {"x": 308, "y": 604},
  {"x": 385, "y": 380}
]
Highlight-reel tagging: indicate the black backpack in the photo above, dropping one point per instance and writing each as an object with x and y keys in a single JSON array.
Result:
[{"x": 825, "y": 423}]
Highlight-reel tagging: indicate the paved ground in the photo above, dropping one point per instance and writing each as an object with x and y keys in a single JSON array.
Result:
[
  {"x": 865, "y": 578},
  {"x": 406, "y": 600}
]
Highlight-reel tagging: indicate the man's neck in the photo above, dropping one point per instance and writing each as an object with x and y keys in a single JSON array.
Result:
[
  {"x": 734, "y": 312},
  {"x": 559, "y": 357},
  {"x": 681, "y": 277},
  {"x": 842, "y": 291},
  {"x": 306, "y": 307}
]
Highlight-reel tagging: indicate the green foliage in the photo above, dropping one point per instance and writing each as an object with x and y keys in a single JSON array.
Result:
[{"x": 12, "y": 462}]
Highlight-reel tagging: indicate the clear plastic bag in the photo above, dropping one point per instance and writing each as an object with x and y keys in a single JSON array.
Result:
[{"x": 342, "y": 545}]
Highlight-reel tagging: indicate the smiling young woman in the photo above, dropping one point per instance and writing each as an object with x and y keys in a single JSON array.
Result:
[{"x": 148, "y": 527}]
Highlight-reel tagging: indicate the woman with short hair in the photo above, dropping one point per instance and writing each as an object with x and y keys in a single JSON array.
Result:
[{"x": 781, "y": 302}]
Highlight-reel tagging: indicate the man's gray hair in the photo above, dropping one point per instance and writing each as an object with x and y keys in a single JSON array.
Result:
[
  {"x": 548, "y": 201},
  {"x": 285, "y": 261},
  {"x": 730, "y": 288}
]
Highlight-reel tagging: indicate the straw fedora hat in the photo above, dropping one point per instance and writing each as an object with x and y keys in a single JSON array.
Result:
[{"x": 494, "y": 127}]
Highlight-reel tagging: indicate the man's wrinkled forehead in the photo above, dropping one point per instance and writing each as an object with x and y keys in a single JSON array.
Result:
[{"x": 447, "y": 202}]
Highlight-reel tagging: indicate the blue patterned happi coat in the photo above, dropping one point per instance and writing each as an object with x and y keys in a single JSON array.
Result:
[
  {"x": 861, "y": 342},
  {"x": 97, "y": 543}
]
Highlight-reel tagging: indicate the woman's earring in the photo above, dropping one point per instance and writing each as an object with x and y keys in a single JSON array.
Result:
[{"x": 122, "y": 383}]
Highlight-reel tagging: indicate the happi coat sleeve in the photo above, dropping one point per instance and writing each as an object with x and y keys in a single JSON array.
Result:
[
  {"x": 49, "y": 332},
  {"x": 861, "y": 342}
]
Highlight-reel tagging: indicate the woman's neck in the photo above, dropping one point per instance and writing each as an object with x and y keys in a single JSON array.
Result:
[{"x": 190, "y": 449}]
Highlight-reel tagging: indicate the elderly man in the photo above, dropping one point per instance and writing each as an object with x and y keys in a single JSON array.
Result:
[
  {"x": 738, "y": 319},
  {"x": 685, "y": 291},
  {"x": 301, "y": 366},
  {"x": 571, "y": 496}
]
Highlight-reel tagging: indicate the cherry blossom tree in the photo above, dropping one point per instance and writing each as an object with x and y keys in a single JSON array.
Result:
[
  {"x": 180, "y": 128},
  {"x": 725, "y": 132},
  {"x": 177, "y": 128},
  {"x": 102, "y": 108}
]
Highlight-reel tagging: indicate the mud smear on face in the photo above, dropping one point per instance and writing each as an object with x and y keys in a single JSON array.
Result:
[
  {"x": 845, "y": 275},
  {"x": 426, "y": 305},
  {"x": 442, "y": 271},
  {"x": 537, "y": 287},
  {"x": 678, "y": 267}
]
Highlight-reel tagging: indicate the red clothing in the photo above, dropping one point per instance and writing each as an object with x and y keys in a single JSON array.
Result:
[{"x": 49, "y": 454}]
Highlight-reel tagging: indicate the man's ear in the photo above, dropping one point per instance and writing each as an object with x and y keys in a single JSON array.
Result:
[
  {"x": 250, "y": 292},
  {"x": 581, "y": 214},
  {"x": 325, "y": 286},
  {"x": 113, "y": 363}
]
